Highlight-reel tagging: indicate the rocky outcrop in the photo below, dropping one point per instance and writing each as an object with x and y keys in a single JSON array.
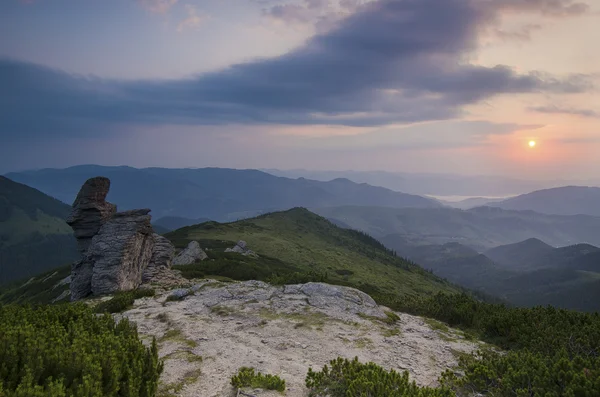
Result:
[
  {"x": 190, "y": 254},
  {"x": 90, "y": 211},
  {"x": 120, "y": 252},
  {"x": 242, "y": 248},
  {"x": 119, "y": 249},
  {"x": 285, "y": 330}
]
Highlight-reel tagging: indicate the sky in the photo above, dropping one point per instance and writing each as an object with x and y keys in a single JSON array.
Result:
[{"x": 452, "y": 86}]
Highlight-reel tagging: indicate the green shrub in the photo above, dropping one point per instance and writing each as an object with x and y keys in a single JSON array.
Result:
[
  {"x": 345, "y": 378},
  {"x": 523, "y": 373},
  {"x": 122, "y": 301},
  {"x": 391, "y": 318},
  {"x": 247, "y": 377},
  {"x": 551, "y": 352},
  {"x": 68, "y": 351}
]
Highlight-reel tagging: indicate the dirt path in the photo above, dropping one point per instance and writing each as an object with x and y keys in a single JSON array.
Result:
[{"x": 284, "y": 331}]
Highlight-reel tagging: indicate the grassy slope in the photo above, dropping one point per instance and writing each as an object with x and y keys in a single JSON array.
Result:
[
  {"x": 20, "y": 226},
  {"x": 298, "y": 240},
  {"x": 42, "y": 288},
  {"x": 33, "y": 234}
]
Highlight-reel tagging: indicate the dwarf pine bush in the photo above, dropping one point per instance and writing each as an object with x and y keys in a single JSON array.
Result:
[
  {"x": 345, "y": 378},
  {"x": 68, "y": 351},
  {"x": 247, "y": 377},
  {"x": 122, "y": 301},
  {"x": 550, "y": 352}
]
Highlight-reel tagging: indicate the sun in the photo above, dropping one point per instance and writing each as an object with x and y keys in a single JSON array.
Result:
[{"x": 531, "y": 144}]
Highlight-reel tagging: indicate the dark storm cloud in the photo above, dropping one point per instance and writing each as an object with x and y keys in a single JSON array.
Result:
[{"x": 393, "y": 61}]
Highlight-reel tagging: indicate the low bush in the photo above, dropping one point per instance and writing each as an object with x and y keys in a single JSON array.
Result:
[
  {"x": 391, "y": 318},
  {"x": 68, "y": 351},
  {"x": 122, "y": 301},
  {"x": 345, "y": 378},
  {"x": 550, "y": 351},
  {"x": 524, "y": 373},
  {"x": 247, "y": 377}
]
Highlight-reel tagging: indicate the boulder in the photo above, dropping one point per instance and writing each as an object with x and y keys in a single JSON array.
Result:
[
  {"x": 90, "y": 211},
  {"x": 242, "y": 248},
  {"x": 190, "y": 254}
]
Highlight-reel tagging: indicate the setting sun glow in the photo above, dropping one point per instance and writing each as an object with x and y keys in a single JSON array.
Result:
[{"x": 531, "y": 144}]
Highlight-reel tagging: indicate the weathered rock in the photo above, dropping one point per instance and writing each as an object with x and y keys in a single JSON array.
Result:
[
  {"x": 257, "y": 325},
  {"x": 119, "y": 249},
  {"x": 190, "y": 254},
  {"x": 120, "y": 252},
  {"x": 161, "y": 260},
  {"x": 179, "y": 294},
  {"x": 242, "y": 248},
  {"x": 90, "y": 211}
]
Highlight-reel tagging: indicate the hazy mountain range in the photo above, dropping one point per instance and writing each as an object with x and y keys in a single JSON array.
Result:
[
  {"x": 214, "y": 193},
  {"x": 479, "y": 228},
  {"x": 527, "y": 273},
  {"x": 435, "y": 184},
  {"x": 567, "y": 200}
]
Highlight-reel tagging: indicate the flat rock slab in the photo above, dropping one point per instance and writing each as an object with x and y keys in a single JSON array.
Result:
[{"x": 284, "y": 330}]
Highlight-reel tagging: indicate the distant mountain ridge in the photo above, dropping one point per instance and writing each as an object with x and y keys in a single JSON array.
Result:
[
  {"x": 566, "y": 277},
  {"x": 567, "y": 200},
  {"x": 439, "y": 184},
  {"x": 520, "y": 256},
  {"x": 33, "y": 234},
  {"x": 480, "y": 228},
  {"x": 214, "y": 193}
]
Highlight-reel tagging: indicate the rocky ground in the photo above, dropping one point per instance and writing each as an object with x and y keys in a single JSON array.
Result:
[{"x": 217, "y": 328}]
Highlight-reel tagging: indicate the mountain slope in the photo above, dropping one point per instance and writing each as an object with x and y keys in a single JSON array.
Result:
[
  {"x": 33, "y": 234},
  {"x": 568, "y": 200},
  {"x": 480, "y": 228},
  {"x": 533, "y": 254},
  {"x": 214, "y": 193},
  {"x": 520, "y": 256},
  {"x": 566, "y": 277},
  {"x": 298, "y": 240}
]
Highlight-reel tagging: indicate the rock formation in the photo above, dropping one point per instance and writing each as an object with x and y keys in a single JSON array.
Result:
[
  {"x": 242, "y": 248},
  {"x": 90, "y": 211},
  {"x": 190, "y": 254},
  {"x": 162, "y": 257},
  {"x": 119, "y": 249}
]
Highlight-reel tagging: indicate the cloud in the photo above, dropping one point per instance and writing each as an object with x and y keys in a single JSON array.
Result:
[
  {"x": 393, "y": 61},
  {"x": 157, "y": 6},
  {"x": 521, "y": 33},
  {"x": 552, "y": 109},
  {"x": 553, "y": 8},
  {"x": 193, "y": 19},
  {"x": 323, "y": 14}
]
